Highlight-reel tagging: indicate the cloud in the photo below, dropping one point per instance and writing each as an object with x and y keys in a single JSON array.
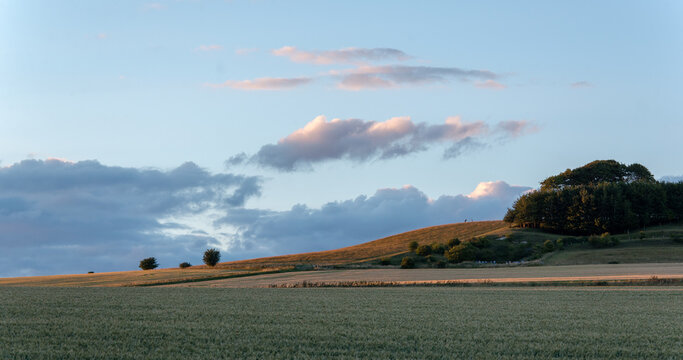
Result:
[
  {"x": 102, "y": 36},
  {"x": 347, "y": 55},
  {"x": 365, "y": 218},
  {"x": 154, "y": 6},
  {"x": 391, "y": 76},
  {"x": 264, "y": 83},
  {"x": 209, "y": 47},
  {"x": 581, "y": 84},
  {"x": 70, "y": 217},
  {"x": 489, "y": 84},
  {"x": 514, "y": 129},
  {"x": 672, "y": 179},
  {"x": 358, "y": 140}
]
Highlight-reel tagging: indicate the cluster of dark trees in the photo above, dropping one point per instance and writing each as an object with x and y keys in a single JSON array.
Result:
[
  {"x": 486, "y": 248},
  {"x": 602, "y": 196},
  {"x": 211, "y": 258}
]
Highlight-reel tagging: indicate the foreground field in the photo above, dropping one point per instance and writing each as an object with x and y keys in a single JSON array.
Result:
[
  {"x": 502, "y": 274},
  {"x": 124, "y": 278},
  {"x": 376, "y": 323}
]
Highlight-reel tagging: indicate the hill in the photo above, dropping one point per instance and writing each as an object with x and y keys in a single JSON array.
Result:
[{"x": 386, "y": 247}]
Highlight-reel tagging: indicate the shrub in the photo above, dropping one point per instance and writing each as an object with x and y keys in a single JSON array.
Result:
[
  {"x": 91, "y": 272},
  {"x": 463, "y": 252},
  {"x": 440, "y": 264},
  {"x": 603, "y": 241},
  {"x": 407, "y": 263},
  {"x": 641, "y": 235},
  {"x": 385, "y": 261},
  {"x": 453, "y": 242},
  {"x": 429, "y": 258},
  {"x": 211, "y": 257},
  {"x": 438, "y": 248},
  {"x": 184, "y": 265},
  {"x": 148, "y": 263},
  {"x": 559, "y": 244},
  {"x": 423, "y": 250},
  {"x": 548, "y": 246},
  {"x": 412, "y": 246}
]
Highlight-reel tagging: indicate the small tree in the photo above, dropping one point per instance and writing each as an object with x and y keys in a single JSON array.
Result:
[
  {"x": 412, "y": 246},
  {"x": 453, "y": 242},
  {"x": 407, "y": 263},
  {"x": 184, "y": 265},
  {"x": 211, "y": 257},
  {"x": 148, "y": 263}
]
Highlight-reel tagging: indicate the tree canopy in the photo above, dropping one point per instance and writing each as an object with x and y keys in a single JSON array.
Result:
[{"x": 602, "y": 196}]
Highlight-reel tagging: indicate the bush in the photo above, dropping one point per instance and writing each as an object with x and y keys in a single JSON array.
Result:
[
  {"x": 453, "y": 242},
  {"x": 463, "y": 252},
  {"x": 148, "y": 263},
  {"x": 184, "y": 265},
  {"x": 412, "y": 246},
  {"x": 429, "y": 258},
  {"x": 440, "y": 264},
  {"x": 641, "y": 235},
  {"x": 559, "y": 244},
  {"x": 603, "y": 241},
  {"x": 423, "y": 250},
  {"x": 385, "y": 261},
  {"x": 407, "y": 263},
  {"x": 211, "y": 257},
  {"x": 438, "y": 248},
  {"x": 548, "y": 246}
]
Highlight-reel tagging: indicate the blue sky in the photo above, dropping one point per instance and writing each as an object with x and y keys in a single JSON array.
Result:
[{"x": 537, "y": 87}]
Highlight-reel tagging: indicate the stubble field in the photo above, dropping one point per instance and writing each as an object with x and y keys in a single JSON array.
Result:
[{"x": 389, "y": 323}]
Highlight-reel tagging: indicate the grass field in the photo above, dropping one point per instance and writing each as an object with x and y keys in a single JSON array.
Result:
[
  {"x": 502, "y": 274},
  {"x": 127, "y": 278},
  {"x": 372, "y": 323}
]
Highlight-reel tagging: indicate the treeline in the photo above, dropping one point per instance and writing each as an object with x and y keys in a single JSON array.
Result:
[{"x": 632, "y": 199}]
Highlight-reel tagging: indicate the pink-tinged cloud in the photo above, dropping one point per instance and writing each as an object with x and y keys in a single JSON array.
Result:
[
  {"x": 515, "y": 128},
  {"x": 154, "y": 6},
  {"x": 581, "y": 84},
  {"x": 358, "y": 140},
  {"x": 209, "y": 48},
  {"x": 264, "y": 83},
  {"x": 489, "y": 84},
  {"x": 391, "y": 76},
  {"x": 102, "y": 36},
  {"x": 345, "y": 56}
]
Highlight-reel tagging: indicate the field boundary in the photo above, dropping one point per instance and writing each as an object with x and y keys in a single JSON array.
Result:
[
  {"x": 208, "y": 278},
  {"x": 606, "y": 281}
]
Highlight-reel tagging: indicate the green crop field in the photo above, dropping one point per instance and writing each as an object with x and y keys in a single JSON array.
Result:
[{"x": 373, "y": 323}]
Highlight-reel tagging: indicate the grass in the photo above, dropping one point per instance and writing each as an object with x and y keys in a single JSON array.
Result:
[
  {"x": 386, "y": 247},
  {"x": 635, "y": 251},
  {"x": 132, "y": 278},
  {"x": 370, "y": 323}
]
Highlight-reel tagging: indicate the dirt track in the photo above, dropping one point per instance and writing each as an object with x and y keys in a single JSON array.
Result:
[{"x": 506, "y": 274}]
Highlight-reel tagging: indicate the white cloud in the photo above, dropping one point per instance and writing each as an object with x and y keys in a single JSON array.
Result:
[
  {"x": 212, "y": 47},
  {"x": 347, "y": 55},
  {"x": 365, "y": 218},
  {"x": 359, "y": 140},
  {"x": 392, "y": 76},
  {"x": 264, "y": 83}
]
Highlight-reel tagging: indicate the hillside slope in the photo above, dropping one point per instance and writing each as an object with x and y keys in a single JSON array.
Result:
[{"x": 385, "y": 247}]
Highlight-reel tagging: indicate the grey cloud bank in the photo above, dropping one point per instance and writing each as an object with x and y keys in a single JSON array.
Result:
[
  {"x": 63, "y": 217},
  {"x": 358, "y": 140},
  {"x": 365, "y": 218}
]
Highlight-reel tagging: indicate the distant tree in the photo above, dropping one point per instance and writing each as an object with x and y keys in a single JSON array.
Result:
[
  {"x": 463, "y": 252},
  {"x": 559, "y": 244},
  {"x": 413, "y": 246},
  {"x": 438, "y": 248},
  {"x": 212, "y": 257},
  {"x": 407, "y": 263},
  {"x": 423, "y": 250},
  {"x": 148, "y": 263},
  {"x": 184, "y": 265}
]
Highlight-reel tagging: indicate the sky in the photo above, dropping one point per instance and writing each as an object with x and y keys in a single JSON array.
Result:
[{"x": 131, "y": 129}]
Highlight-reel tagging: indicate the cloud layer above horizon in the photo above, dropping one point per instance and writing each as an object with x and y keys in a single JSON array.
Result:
[
  {"x": 58, "y": 216},
  {"x": 71, "y": 217},
  {"x": 365, "y": 74},
  {"x": 359, "y": 140}
]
